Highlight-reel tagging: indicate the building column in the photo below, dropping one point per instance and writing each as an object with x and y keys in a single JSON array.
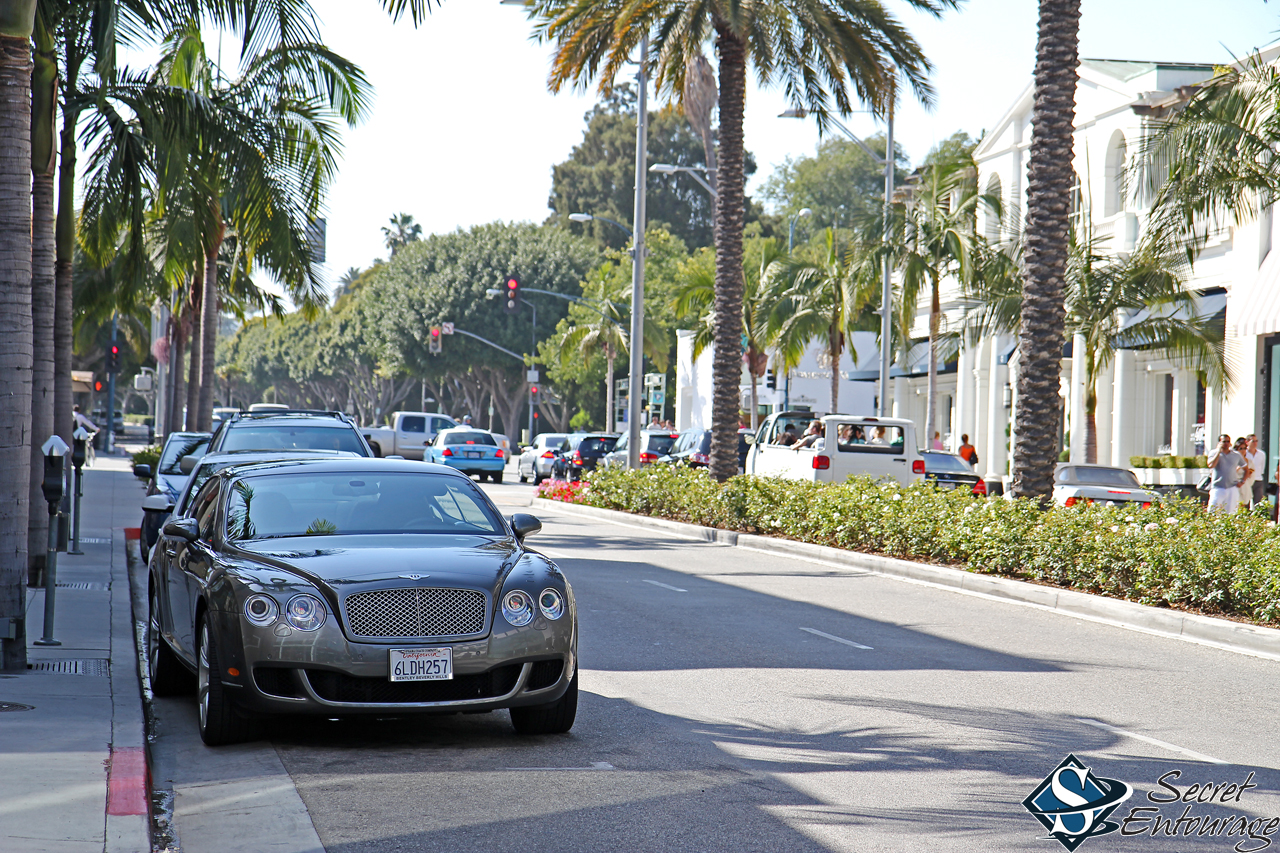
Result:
[
  {"x": 964, "y": 397},
  {"x": 1122, "y": 407},
  {"x": 1076, "y": 399},
  {"x": 997, "y": 414},
  {"x": 901, "y": 406},
  {"x": 1183, "y": 393},
  {"x": 1212, "y": 419}
]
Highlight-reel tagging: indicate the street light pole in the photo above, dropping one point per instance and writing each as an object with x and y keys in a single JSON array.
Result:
[
  {"x": 636, "y": 372},
  {"x": 886, "y": 286}
]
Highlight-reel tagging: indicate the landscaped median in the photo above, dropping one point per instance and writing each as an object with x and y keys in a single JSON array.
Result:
[{"x": 1172, "y": 554}]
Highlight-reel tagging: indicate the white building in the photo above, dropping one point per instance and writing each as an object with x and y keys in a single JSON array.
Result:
[{"x": 1147, "y": 405}]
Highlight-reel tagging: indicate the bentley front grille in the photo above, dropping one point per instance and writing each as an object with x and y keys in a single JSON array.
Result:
[{"x": 417, "y": 613}]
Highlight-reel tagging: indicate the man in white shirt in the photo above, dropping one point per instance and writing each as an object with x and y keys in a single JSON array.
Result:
[{"x": 1253, "y": 490}]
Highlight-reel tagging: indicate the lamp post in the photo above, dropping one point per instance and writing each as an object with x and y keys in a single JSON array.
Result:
[
  {"x": 588, "y": 217},
  {"x": 635, "y": 373},
  {"x": 886, "y": 288},
  {"x": 791, "y": 230},
  {"x": 692, "y": 171}
]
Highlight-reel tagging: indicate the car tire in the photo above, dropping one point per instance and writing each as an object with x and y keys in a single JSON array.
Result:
[
  {"x": 168, "y": 676},
  {"x": 221, "y": 722},
  {"x": 496, "y": 478},
  {"x": 551, "y": 719},
  {"x": 537, "y": 481},
  {"x": 376, "y": 448}
]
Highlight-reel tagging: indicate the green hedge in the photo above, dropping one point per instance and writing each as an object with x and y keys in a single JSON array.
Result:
[
  {"x": 1172, "y": 554},
  {"x": 148, "y": 456},
  {"x": 1168, "y": 461}
]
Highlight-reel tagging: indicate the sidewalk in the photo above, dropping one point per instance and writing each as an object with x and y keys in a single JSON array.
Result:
[{"x": 72, "y": 733}]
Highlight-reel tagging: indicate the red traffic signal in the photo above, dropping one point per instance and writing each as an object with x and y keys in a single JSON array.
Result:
[
  {"x": 433, "y": 343},
  {"x": 533, "y": 390},
  {"x": 97, "y": 386},
  {"x": 513, "y": 294}
]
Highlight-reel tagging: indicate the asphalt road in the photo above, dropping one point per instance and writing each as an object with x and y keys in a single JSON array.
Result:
[{"x": 740, "y": 701}]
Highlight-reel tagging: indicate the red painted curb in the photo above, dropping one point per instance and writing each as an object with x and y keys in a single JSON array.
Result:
[
  {"x": 127, "y": 782},
  {"x": 132, "y": 533}
]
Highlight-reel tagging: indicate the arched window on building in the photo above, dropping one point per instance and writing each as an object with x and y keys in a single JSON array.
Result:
[
  {"x": 995, "y": 189},
  {"x": 1117, "y": 156}
]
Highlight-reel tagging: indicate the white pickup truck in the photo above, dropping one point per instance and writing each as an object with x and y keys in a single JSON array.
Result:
[
  {"x": 883, "y": 448},
  {"x": 408, "y": 434}
]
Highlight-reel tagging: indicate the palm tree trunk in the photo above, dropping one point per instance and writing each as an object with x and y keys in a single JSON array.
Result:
[
  {"x": 1048, "y": 192},
  {"x": 44, "y": 161},
  {"x": 194, "y": 319},
  {"x": 16, "y": 23},
  {"x": 177, "y": 353},
  {"x": 608, "y": 388},
  {"x": 1090, "y": 411},
  {"x": 208, "y": 341},
  {"x": 931, "y": 401},
  {"x": 65, "y": 246},
  {"x": 833, "y": 352},
  {"x": 727, "y": 361}
]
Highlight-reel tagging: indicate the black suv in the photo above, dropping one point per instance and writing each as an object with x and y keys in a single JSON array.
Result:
[
  {"x": 693, "y": 448},
  {"x": 289, "y": 429},
  {"x": 582, "y": 454}
]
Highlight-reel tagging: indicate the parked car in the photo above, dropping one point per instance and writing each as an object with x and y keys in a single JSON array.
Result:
[
  {"x": 846, "y": 445},
  {"x": 693, "y": 448},
  {"x": 408, "y": 434},
  {"x": 949, "y": 471},
  {"x": 582, "y": 454},
  {"x": 1075, "y": 483},
  {"x": 297, "y": 588},
  {"x": 167, "y": 480},
  {"x": 469, "y": 450},
  {"x": 654, "y": 444},
  {"x": 536, "y": 460},
  {"x": 294, "y": 429},
  {"x": 221, "y": 413}
]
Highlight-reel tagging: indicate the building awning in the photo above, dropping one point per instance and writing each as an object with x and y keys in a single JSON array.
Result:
[
  {"x": 1259, "y": 312},
  {"x": 1207, "y": 305},
  {"x": 1007, "y": 352},
  {"x": 917, "y": 361},
  {"x": 82, "y": 382}
]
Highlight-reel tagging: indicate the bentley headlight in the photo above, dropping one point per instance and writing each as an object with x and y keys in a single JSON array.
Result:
[
  {"x": 517, "y": 608},
  {"x": 551, "y": 603},
  {"x": 261, "y": 610},
  {"x": 305, "y": 612}
]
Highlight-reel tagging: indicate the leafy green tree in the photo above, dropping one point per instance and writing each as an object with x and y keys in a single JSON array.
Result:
[
  {"x": 817, "y": 49},
  {"x": 599, "y": 176},
  {"x": 1049, "y": 178},
  {"x": 840, "y": 183},
  {"x": 443, "y": 278}
]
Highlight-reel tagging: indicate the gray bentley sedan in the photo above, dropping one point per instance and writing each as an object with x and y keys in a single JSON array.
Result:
[{"x": 357, "y": 586}]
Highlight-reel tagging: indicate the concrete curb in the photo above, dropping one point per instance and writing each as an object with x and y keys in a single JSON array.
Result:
[
  {"x": 129, "y": 778},
  {"x": 1204, "y": 630}
]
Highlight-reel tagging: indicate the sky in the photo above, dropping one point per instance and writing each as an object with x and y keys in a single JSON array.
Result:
[{"x": 464, "y": 131}]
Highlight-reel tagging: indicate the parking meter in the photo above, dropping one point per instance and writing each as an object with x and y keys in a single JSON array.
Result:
[
  {"x": 79, "y": 440},
  {"x": 55, "y": 464},
  {"x": 79, "y": 443}
]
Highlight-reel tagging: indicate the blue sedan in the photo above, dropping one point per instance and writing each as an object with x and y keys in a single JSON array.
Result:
[{"x": 470, "y": 451}]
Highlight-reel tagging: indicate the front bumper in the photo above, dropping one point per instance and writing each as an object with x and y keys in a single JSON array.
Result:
[{"x": 292, "y": 672}]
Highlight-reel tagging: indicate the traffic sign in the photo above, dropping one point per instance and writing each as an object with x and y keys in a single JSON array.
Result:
[{"x": 446, "y": 328}]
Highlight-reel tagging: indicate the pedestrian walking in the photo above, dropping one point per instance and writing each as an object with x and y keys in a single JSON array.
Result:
[
  {"x": 1257, "y": 481},
  {"x": 1225, "y": 466},
  {"x": 968, "y": 452}
]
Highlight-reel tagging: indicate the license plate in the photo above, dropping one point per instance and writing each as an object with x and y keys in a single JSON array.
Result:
[
  {"x": 474, "y": 454},
  {"x": 945, "y": 484},
  {"x": 422, "y": 664}
]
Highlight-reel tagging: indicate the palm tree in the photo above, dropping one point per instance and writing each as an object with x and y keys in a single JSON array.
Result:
[
  {"x": 817, "y": 49},
  {"x": 825, "y": 299},
  {"x": 933, "y": 237},
  {"x": 1112, "y": 302},
  {"x": 696, "y": 298},
  {"x": 1049, "y": 179},
  {"x": 402, "y": 231},
  {"x": 17, "y": 21},
  {"x": 1213, "y": 162}
]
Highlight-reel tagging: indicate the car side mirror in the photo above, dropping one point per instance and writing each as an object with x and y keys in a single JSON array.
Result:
[
  {"x": 183, "y": 528},
  {"x": 142, "y": 472},
  {"x": 157, "y": 503},
  {"x": 188, "y": 463},
  {"x": 524, "y": 525}
]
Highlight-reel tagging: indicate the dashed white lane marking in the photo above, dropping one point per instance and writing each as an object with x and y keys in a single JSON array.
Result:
[
  {"x": 665, "y": 585},
  {"x": 1198, "y": 756},
  {"x": 595, "y": 765},
  {"x": 833, "y": 637}
]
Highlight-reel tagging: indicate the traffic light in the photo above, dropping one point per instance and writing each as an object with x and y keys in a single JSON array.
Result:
[
  {"x": 770, "y": 380},
  {"x": 433, "y": 343},
  {"x": 513, "y": 295},
  {"x": 113, "y": 358},
  {"x": 97, "y": 385}
]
